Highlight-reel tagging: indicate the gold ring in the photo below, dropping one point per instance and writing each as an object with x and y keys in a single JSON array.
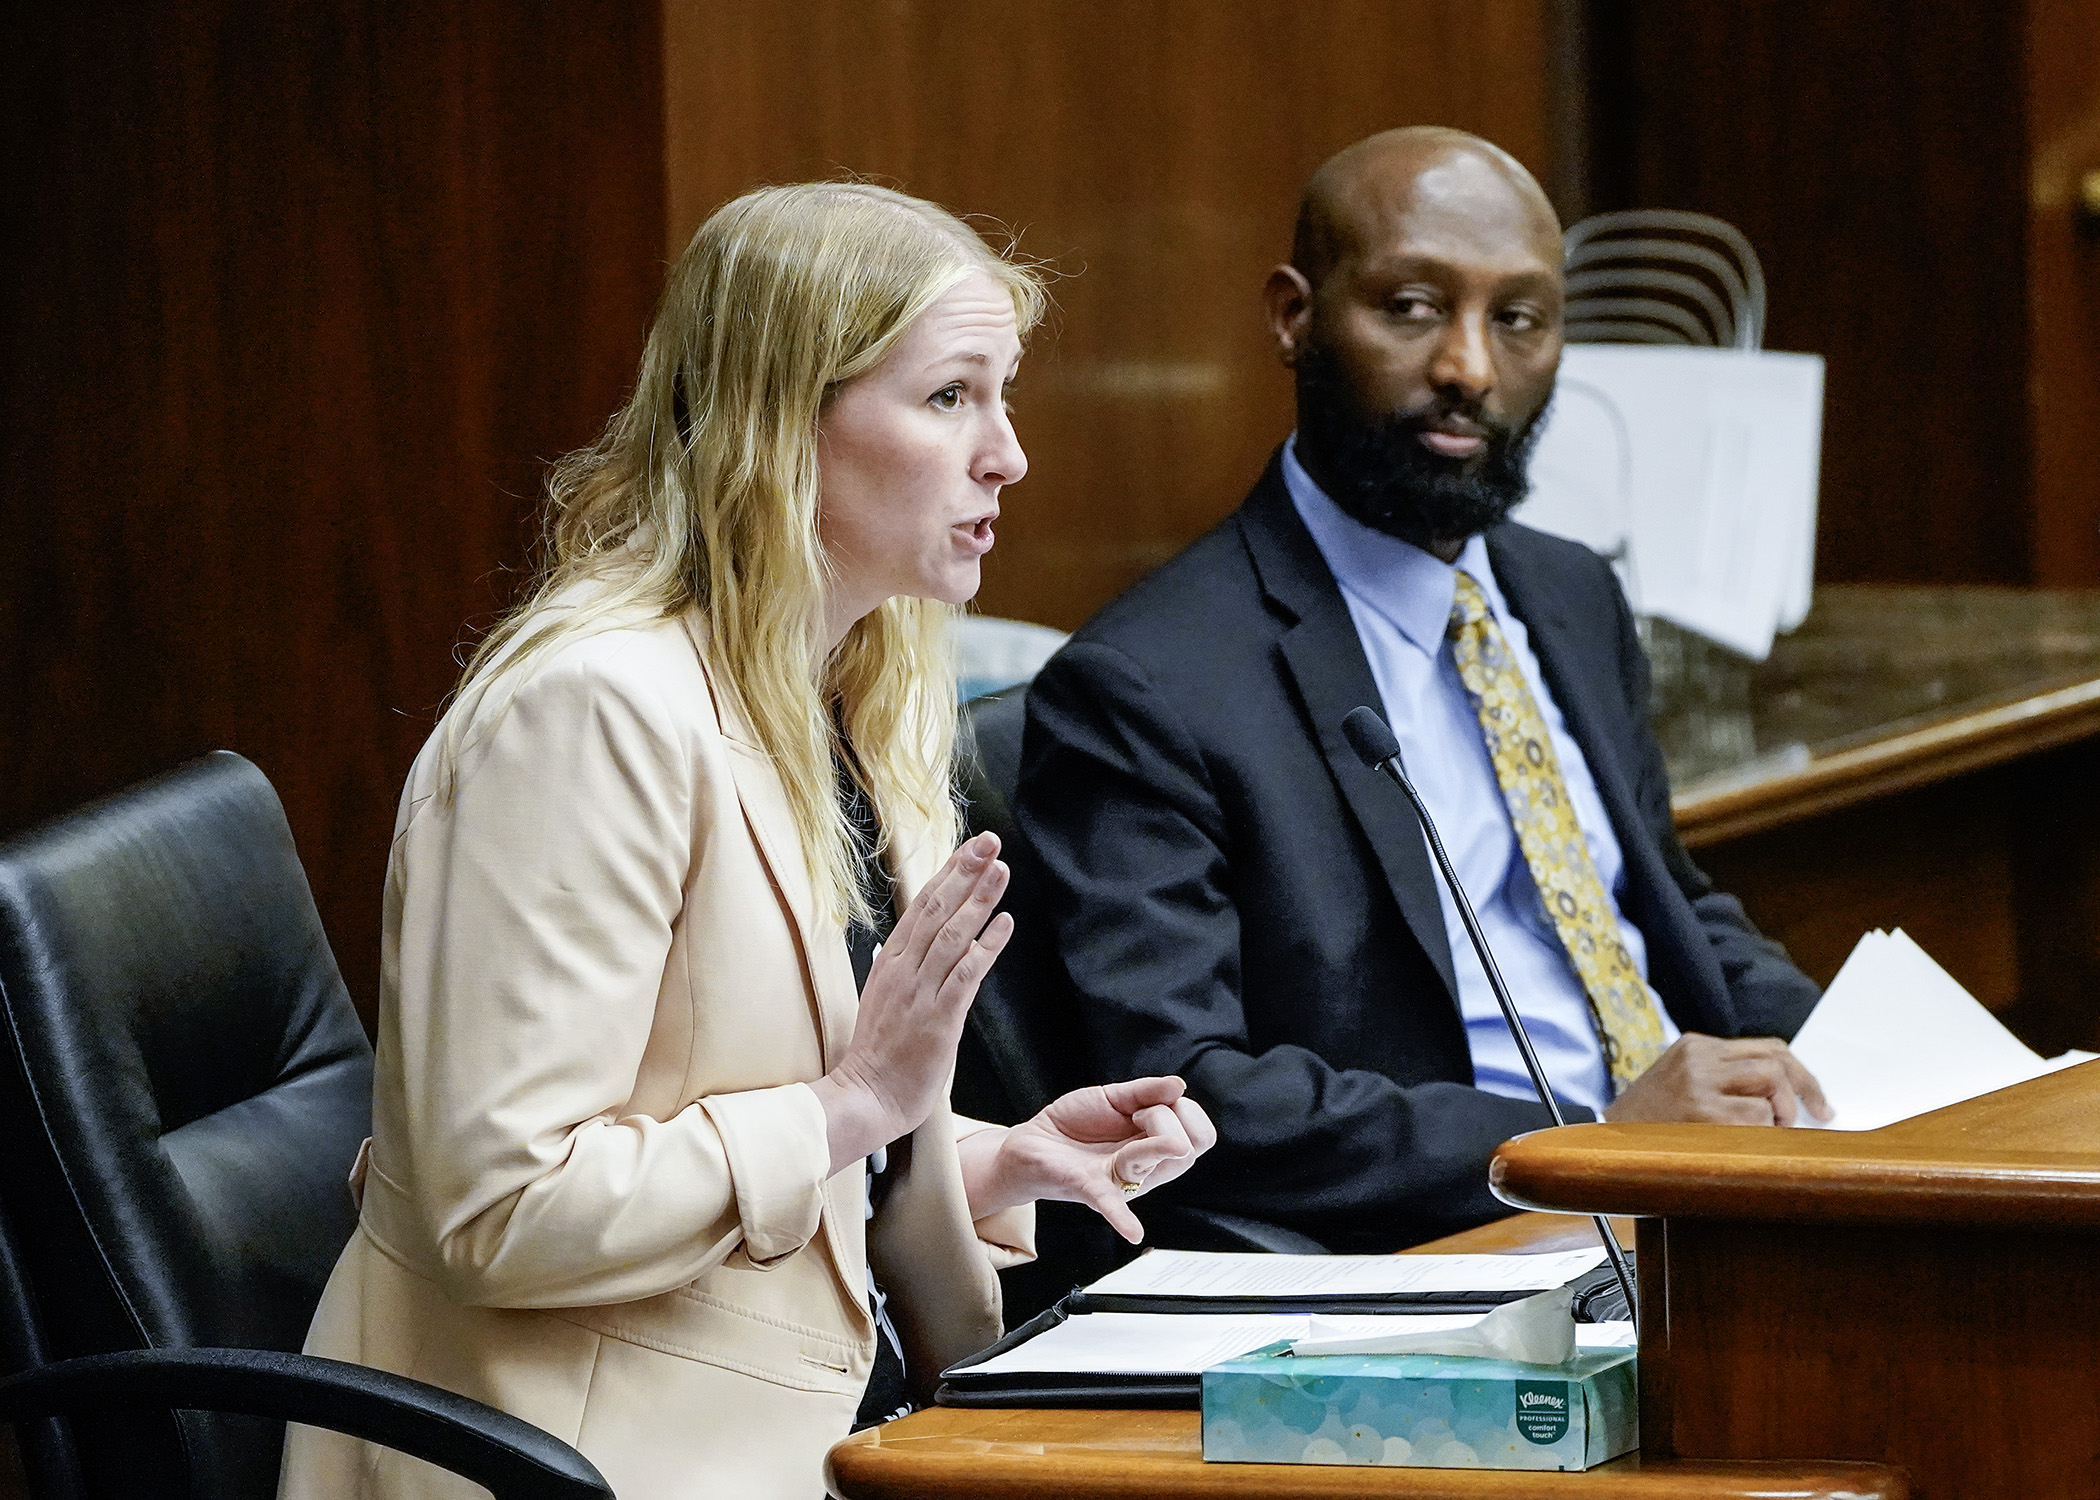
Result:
[{"x": 1130, "y": 1189}]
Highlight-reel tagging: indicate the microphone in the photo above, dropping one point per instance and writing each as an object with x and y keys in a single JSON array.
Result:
[{"x": 1374, "y": 743}]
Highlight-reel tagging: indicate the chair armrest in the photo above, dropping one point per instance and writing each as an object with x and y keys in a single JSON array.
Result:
[{"x": 507, "y": 1456}]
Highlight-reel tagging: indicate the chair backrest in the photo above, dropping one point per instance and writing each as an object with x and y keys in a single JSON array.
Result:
[
  {"x": 1663, "y": 276},
  {"x": 1020, "y": 1049},
  {"x": 992, "y": 653},
  {"x": 183, "y": 1086},
  {"x": 1022, "y": 1045}
]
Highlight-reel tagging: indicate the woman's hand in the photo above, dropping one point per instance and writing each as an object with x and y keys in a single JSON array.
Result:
[
  {"x": 1100, "y": 1146},
  {"x": 912, "y": 1007}
]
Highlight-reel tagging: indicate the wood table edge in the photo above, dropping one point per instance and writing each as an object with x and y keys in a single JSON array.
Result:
[
  {"x": 1916, "y": 1172},
  {"x": 1935, "y": 752},
  {"x": 861, "y": 1468}
]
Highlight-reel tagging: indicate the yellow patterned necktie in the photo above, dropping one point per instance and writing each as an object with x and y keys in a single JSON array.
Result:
[{"x": 1544, "y": 820}]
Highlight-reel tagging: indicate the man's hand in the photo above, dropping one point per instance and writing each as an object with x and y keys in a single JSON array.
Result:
[{"x": 1756, "y": 1081}]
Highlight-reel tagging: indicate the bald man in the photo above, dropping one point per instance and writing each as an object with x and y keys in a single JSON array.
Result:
[{"x": 1237, "y": 900}]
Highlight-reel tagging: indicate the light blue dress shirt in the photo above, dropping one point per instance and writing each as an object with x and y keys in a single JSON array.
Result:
[{"x": 1400, "y": 600}]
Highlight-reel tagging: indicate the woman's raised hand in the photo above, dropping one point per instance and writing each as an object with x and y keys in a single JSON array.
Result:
[
  {"x": 912, "y": 1007},
  {"x": 1100, "y": 1146}
]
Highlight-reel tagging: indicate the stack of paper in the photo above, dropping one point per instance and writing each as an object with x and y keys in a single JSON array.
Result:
[
  {"x": 1895, "y": 1036},
  {"x": 1215, "y": 1277},
  {"x": 1696, "y": 468},
  {"x": 1128, "y": 1345},
  {"x": 1141, "y": 1335}
]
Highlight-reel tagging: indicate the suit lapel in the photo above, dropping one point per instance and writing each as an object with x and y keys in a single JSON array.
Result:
[
  {"x": 772, "y": 825},
  {"x": 1679, "y": 964},
  {"x": 1325, "y": 661},
  {"x": 1535, "y": 598}
]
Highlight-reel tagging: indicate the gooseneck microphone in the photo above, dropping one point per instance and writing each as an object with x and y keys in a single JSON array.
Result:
[{"x": 1373, "y": 741}]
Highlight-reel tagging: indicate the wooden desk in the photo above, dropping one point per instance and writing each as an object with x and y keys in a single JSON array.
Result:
[
  {"x": 1922, "y": 1294},
  {"x": 1158, "y": 1455},
  {"x": 1914, "y": 757}
]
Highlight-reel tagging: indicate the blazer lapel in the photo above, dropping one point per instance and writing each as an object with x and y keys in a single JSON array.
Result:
[
  {"x": 1325, "y": 661},
  {"x": 772, "y": 824},
  {"x": 827, "y": 971}
]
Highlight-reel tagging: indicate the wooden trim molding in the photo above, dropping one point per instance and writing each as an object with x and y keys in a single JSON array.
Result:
[
  {"x": 1935, "y": 752},
  {"x": 2023, "y": 1157},
  {"x": 1025, "y": 1454}
]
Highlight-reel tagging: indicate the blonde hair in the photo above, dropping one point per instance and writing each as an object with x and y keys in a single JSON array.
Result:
[{"x": 703, "y": 493}]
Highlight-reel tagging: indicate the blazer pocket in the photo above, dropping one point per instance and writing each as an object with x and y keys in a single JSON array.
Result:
[{"x": 694, "y": 1324}]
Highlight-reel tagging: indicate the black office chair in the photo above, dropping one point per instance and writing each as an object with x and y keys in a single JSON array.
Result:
[
  {"x": 1024, "y": 1045},
  {"x": 1021, "y": 1046},
  {"x": 183, "y": 1086}
]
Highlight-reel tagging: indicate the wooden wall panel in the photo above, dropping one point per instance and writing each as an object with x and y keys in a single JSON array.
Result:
[
  {"x": 1995, "y": 872},
  {"x": 1873, "y": 152},
  {"x": 296, "y": 301},
  {"x": 1938, "y": 861},
  {"x": 1154, "y": 153},
  {"x": 2063, "y": 303}
]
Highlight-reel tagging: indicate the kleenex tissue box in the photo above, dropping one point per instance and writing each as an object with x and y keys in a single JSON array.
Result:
[{"x": 1429, "y": 1411}]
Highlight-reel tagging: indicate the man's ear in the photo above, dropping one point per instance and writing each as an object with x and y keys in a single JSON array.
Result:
[{"x": 1287, "y": 296}]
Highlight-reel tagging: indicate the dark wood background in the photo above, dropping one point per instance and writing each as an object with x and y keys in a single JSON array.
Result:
[
  {"x": 2062, "y": 96},
  {"x": 1907, "y": 170},
  {"x": 1153, "y": 154},
  {"x": 298, "y": 300}
]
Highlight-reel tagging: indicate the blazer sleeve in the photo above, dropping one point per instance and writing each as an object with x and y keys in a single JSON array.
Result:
[
  {"x": 1008, "y": 1236},
  {"x": 538, "y": 906},
  {"x": 1118, "y": 808},
  {"x": 1769, "y": 996}
]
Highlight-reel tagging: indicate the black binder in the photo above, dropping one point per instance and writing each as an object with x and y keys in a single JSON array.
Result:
[
  {"x": 1598, "y": 1299},
  {"x": 961, "y": 1388}
]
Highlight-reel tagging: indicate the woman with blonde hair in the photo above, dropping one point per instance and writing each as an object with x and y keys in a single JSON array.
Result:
[{"x": 650, "y": 1040}]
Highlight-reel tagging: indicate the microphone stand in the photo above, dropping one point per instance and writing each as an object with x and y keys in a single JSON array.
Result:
[{"x": 1372, "y": 739}]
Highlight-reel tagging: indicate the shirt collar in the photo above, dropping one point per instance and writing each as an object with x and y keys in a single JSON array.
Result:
[{"x": 1409, "y": 587}]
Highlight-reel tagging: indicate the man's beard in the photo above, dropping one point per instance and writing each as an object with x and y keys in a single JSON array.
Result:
[{"x": 1377, "y": 469}]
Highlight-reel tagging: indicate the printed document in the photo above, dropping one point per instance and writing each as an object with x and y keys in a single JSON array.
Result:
[
  {"x": 1184, "y": 1344},
  {"x": 1696, "y": 470},
  {"x": 1895, "y": 1036},
  {"x": 1204, "y": 1273}
]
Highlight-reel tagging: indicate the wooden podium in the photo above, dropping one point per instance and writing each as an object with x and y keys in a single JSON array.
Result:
[
  {"x": 1050, "y": 1454},
  {"x": 1925, "y": 1295}
]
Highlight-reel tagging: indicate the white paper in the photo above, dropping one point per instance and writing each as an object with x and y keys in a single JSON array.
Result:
[
  {"x": 1185, "y": 1344},
  {"x": 1606, "y": 1336},
  {"x": 1535, "y": 1331},
  {"x": 1143, "y": 1343},
  {"x": 1697, "y": 468},
  {"x": 1895, "y": 1036},
  {"x": 1206, "y": 1273},
  {"x": 1588, "y": 1337}
]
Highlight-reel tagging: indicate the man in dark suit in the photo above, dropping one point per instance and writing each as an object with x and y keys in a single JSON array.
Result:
[{"x": 1236, "y": 899}]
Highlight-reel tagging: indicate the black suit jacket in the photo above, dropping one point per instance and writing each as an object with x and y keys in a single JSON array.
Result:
[{"x": 1237, "y": 899}]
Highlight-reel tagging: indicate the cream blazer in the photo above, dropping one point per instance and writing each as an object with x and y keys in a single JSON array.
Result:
[{"x": 597, "y": 1193}]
